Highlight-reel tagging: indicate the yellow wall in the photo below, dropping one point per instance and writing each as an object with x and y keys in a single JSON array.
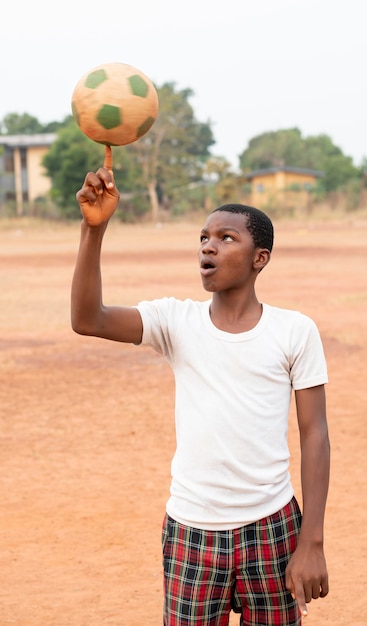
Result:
[
  {"x": 38, "y": 183},
  {"x": 276, "y": 188}
]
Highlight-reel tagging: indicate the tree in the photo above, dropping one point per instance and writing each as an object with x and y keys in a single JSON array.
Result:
[
  {"x": 217, "y": 167},
  {"x": 25, "y": 124},
  {"x": 289, "y": 148},
  {"x": 272, "y": 149},
  {"x": 53, "y": 127},
  {"x": 172, "y": 154},
  {"x": 68, "y": 159},
  {"x": 228, "y": 186},
  {"x": 322, "y": 154}
]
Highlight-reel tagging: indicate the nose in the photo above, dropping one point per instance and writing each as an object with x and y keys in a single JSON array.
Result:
[{"x": 208, "y": 247}]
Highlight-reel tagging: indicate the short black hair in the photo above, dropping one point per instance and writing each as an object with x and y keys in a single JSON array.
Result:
[{"x": 258, "y": 224}]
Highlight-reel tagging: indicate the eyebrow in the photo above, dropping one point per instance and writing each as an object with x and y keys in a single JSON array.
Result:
[{"x": 222, "y": 229}]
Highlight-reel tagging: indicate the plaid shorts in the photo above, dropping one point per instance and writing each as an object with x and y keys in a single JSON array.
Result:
[{"x": 209, "y": 573}]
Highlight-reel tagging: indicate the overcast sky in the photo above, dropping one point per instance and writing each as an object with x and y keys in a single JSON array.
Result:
[{"x": 254, "y": 66}]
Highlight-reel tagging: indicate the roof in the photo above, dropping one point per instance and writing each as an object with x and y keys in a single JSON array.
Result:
[
  {"x": 291, "y": 170},
  {"x": 20, "y": 141}
]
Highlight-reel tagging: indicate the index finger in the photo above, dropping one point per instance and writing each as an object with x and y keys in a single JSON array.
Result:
[
  {"x": 299, "y": 596},
  {"x": 108, "y": 158}
]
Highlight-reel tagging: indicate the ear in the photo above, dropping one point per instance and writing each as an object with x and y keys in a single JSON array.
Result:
[{"x": 262, "y": 258}]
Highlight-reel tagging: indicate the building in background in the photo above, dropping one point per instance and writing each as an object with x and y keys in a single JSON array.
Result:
[
  {"x": 23, "y": 179},
  {"x": 285, "y": 187}
]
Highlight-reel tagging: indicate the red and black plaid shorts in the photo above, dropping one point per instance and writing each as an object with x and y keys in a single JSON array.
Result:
[{"x": 209, "y": 573}]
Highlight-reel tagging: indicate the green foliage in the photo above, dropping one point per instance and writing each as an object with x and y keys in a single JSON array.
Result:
[
  {"x": 53, "y": 127},
  {"x": 217, "y": 167},
  {"x": 363, "y": 167},
  {"x": 192, "y": 200},
  {"x": 68, "y": 160},
  {"x": 272, "y": 149},
  {"x": 172, "y": 154},
  {"x": 289, "y": 148},
  {"x": 322, "y": 154},
  {"x": 353, "y": 191},
  {"x": 132, "y": 207},
  {"x": 25, "y": 124}
]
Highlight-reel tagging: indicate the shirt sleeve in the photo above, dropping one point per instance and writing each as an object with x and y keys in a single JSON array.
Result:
[
  {"x": 308, "y": 366},
  {"x": 157, "y": 316}
]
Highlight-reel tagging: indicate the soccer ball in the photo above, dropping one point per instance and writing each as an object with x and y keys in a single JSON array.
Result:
[{"x": 114, "y": 104}]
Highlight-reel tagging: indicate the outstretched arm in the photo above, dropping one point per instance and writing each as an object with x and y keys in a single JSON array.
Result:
[
  {"x": 306, "y": 575},
  {"x": 98, "y": 200}
]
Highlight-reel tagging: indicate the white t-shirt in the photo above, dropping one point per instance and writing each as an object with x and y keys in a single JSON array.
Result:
[{"x": 233, "y": 392}]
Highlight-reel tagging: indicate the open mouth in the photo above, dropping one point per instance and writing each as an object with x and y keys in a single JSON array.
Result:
[{"x": 207, "y": 268}]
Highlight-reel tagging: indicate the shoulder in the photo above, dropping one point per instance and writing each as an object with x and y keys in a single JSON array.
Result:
[
  {"x": 166, "y": 319},
  {"x": 293, "y": 328},
  {"x": 173, "y": 304},
  {"x": 289, "y": 317},
  {"x": 171, "y": 308}
]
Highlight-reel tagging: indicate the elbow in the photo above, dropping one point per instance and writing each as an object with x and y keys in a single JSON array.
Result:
[{"x": 80, "y": 327}]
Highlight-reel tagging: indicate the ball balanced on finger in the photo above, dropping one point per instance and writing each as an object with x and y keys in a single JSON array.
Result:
[{"x": 114, "y": 104}]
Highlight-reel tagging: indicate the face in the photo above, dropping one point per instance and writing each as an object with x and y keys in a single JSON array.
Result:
[{"x": 227, "y": 255}]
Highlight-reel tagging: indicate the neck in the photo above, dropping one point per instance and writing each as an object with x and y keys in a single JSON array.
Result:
[{"x": 233, "y": 315}]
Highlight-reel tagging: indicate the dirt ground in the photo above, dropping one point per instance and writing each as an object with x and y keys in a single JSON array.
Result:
[{"x": 87, "y": 428}]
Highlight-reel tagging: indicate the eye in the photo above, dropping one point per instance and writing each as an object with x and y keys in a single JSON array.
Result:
[
  {"x": 203, "y": 238},
  {"x": 228, "y": 238}
]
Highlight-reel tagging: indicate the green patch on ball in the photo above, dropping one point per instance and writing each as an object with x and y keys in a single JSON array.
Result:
[
  {"x": 138, "y": 86},
  {"x": 109, "y": 116},
  {"x": 95, "y": 79},
  {"x": 144, "y": 127}
]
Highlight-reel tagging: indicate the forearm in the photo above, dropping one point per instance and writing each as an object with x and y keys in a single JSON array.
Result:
[
  {"x": 86, "y": 291},
  {"x": 306, "y": 573},
  {"x": 315, "y": 468}
]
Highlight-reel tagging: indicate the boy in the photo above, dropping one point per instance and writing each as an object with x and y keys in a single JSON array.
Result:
[{"x": 233, "y": 535}]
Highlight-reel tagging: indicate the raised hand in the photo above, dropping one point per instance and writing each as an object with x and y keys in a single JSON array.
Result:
[{"x": 98, "y": 198}]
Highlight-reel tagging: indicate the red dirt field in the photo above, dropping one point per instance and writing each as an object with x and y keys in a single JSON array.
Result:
[{"x": 87, "y": 429}]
